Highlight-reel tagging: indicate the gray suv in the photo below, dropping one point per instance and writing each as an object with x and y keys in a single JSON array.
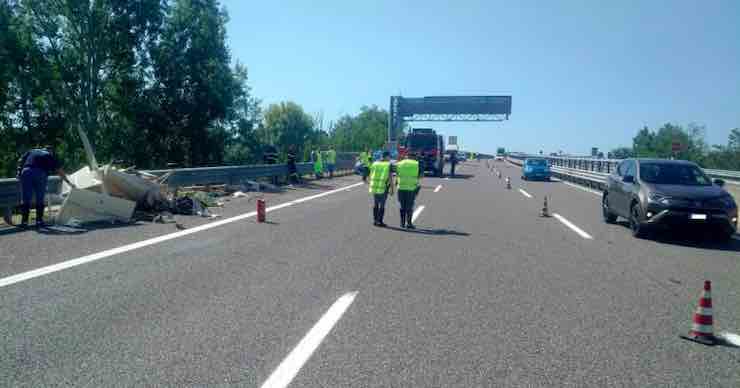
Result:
[{"x": 652, "y": 193}]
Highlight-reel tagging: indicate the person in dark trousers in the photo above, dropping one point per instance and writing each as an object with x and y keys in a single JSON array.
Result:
[
  {"x": 292, "y": 169},
  {"x": 270, "y": 156},
  {"x": 408, "y": 174},
  {"x": 453, "y": 163},
  {"x": 34, "y": 168},
  {"x": 381, "y": 184}
]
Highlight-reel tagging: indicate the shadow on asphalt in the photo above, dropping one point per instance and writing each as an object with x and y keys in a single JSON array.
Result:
[
  {"x": 7, "y": 230},
  {"x": 686, "y": 238},
  {"x": 60, "y": 230},
  {"x": 314, "y": 186},
  {"x": 433, "y": 232},
  {"x": 460, "y": 176}
]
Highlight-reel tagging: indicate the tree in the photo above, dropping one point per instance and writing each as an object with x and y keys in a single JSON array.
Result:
[
  {"x": 243, "y": 145},
  {"x": 356, "y": 133},
  {"x": 621, "y": 153},
  {"x": 87, "y": 42},
  {"x": 643, "y": 144},
  {"x": 287, "y": 124},
  {"x": 196, "y": 86}
]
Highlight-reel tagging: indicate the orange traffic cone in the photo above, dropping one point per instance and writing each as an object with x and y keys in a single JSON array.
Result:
[{"x": 702, "y": 327}]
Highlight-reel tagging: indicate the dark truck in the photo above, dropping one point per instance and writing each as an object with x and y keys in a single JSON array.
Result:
[{"x": 429, "y": 146}]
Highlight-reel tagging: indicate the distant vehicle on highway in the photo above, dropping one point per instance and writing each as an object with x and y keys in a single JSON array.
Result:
[
  {"x": 656, "y": 193},
  {"x": 429, "y": 146},
  {"x": 499, "y": 157},
  {"x": 536, "y": 168}
]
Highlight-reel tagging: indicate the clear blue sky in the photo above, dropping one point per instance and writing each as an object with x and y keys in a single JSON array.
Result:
[{"x": 581, "y": 73}]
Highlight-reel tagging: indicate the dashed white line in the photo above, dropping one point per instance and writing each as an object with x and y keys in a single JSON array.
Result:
[
  {"x": 438, "y": 188},
  {"x": 572, "y": 226},
  {"x": 152, "y": 241},
  {"x": 288, "y": 369},
  {"x": 526, "y": 194},
  {"x": 416, "y": 213},
  {"x": 580, "y": 187}
]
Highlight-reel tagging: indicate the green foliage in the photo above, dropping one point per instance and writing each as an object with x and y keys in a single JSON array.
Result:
[
  {"x": 367, "y": 130},
  {"x": 621, "y": 153},
  {"x": 658, "y": 144},
  {"x": 151, "y": 83}
]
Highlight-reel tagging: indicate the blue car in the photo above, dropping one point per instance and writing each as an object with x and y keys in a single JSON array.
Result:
[{"x": 536, "y": 168}]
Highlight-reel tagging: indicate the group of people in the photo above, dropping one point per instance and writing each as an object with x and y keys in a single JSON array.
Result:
[
  {"x": 270, "y": 155},
  {"x": 385, "y": 178},
  {"x": 324, "y": 161}
]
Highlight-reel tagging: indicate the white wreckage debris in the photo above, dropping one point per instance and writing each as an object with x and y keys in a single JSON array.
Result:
[{"x": 109, "y": 195}]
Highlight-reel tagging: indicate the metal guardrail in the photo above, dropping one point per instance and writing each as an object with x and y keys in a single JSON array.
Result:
[
  {"x": 607, "y": 166},
  {"x": 10, "y": 190}
]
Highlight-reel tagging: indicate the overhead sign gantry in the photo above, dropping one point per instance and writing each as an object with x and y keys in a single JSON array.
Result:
[{"x": 446, "y": 108}]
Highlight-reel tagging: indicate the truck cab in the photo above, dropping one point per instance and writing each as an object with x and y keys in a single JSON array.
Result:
[{"x": 429, "y": 146}]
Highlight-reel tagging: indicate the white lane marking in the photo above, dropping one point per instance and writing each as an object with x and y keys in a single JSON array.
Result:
[
  {"x": 731, "y": 338},
  {"x": 581, "y": 188},
  {"x": 572, "y": 226},
  {"x": 447, "y": 178},
  {"x": 152, "y": 241},
  {"x": 438, "y": 188},
  {"x": 526, "y": 194},
  {"x": 416, "y": 213},
  {"x": 288, "y": 369}
]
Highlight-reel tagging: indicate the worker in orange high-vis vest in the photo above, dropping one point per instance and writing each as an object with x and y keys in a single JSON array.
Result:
[{"x": 381, "y": 184}]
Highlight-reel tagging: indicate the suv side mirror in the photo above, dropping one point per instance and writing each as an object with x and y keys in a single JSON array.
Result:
[
  {"x": 628, "y": 179},
  {"x": 719, "y": 182}
]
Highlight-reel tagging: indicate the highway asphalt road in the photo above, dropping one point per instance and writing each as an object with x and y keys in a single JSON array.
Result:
[{"x": 484, "y": 293}]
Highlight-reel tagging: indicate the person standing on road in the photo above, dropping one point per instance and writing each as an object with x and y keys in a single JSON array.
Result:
[
  {"x": 453, "y": 163},
  {"x": 409, "y": 183},
  {"x": 331, "y": 161},
  {"x": 34, "y": 168},
  {"x": 318, "y": 165},
  {"x": 292, "y": 168},
  {"x": 270, "y": 156},
  {"x": 381, "y": 184},
  {"x": 365, "y": 163}
]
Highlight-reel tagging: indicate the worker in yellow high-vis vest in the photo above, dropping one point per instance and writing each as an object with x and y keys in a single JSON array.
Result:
[
  {"x": 331, "y": 161},
  {"x": 365, "y": 163},
  {"x": 381, "y": 184},
  {"x": 318, "y": 165},
  {"x": 408, "y": 178}
]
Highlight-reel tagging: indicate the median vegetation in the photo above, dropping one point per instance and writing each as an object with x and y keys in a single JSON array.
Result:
[
  {"x": 690, "y": 143},
  {"x": 152, "y": 83}
]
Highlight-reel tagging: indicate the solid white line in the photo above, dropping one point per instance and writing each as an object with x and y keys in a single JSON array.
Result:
[
  {"x": 438, "y": 188},
  {"x": 416, "y": 213},
  {"x": 152, "y": 241},
  {"x": 287, "y": 370},
  {"x": 582, "y": 188},
  {"x": 572, "y": 226},
  {"x": 526, "y": 194}
]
